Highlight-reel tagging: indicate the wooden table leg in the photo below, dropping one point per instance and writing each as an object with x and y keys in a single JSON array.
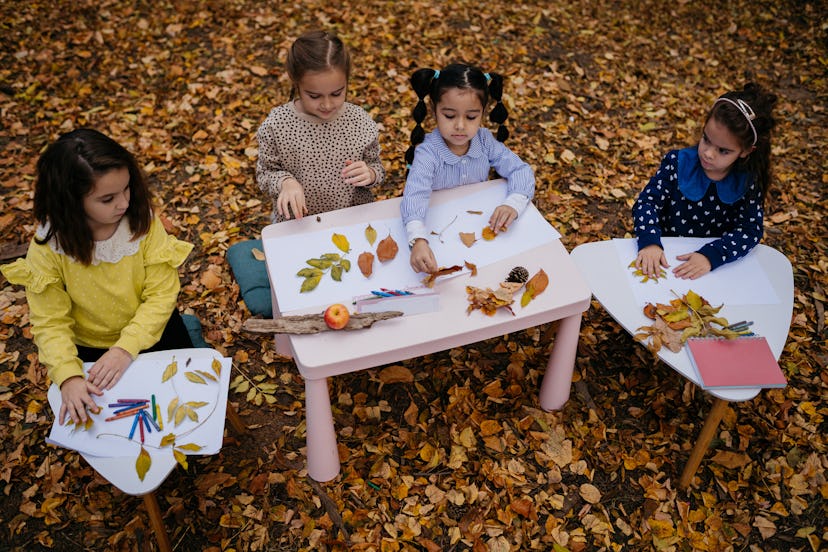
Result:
[
  {"x": 235, "y": 420},
  {"x": 323, "y": 455},
  {"x": 717, "y": 410},
  {"x": 157, "y": 523},
  {"x": 557, "y": 381}
]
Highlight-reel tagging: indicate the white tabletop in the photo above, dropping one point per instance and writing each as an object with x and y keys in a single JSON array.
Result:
[
  {"x": 337, "y": 352},
  {"x": 609, "y": 281},
  {"x": 118, "y": 467}
]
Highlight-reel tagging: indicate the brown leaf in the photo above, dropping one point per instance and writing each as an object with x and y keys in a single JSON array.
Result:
[
  {"x": 365, "y": 262},
  {"x": 387, "y": 249},
  {"x": 429, "y": 280},
  {"x": 467, "y": 238}
]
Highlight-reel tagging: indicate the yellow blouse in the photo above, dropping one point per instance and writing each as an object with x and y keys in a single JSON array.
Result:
[{"x": 124, "y": 298}]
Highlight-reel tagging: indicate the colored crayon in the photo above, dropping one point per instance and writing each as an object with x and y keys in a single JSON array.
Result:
[
  {"x": 153, "y": 406},
  {"x": 124, "y": 407},
  {"x": 126, "y": 413},
  {"x": 160, "y": 418},
  {"x": 151, "y": 421},
  {"x": 381, "y": 293},
  {"x": 141, "y": 427},
  {"x": 134, "y": 425},
  {"x": 145, "y": 419},
  {"x": 131, "y": 400}
]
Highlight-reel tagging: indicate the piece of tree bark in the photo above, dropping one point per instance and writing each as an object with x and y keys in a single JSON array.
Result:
[{"x": 313, "y": 323}]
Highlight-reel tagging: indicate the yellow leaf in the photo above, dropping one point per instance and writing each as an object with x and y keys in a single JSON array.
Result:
[
  {"x": 206, "y": 375},
  {"x": 370, "y": 234},
  {"x": 169, "y": 371},
  {"x": 190, "y": 446},
  {"x": 179, "y": 415},
  {"x": 181, "y": 458},
  {"x": 143, "y": 463},
  {"x": 196, "y": 404},
  {"x": 195, "y": 378},
  {"x": 310, "y": 283},
  {"x": 216, "y": 366},
  {"x": 192, "y": 414},
  {"x": 168, "y": 439},
  {"x": 341, "y": 242},
  {"x": 171, "y": 409},
  {"x": 694, "y": 300},
  {"x": 488, "y": 234}
]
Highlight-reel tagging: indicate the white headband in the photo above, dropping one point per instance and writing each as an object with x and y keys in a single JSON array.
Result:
[{"x": 746, "y": 111}]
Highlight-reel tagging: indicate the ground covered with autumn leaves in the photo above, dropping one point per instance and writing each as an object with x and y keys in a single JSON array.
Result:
[{"x": 460, "y": 457}]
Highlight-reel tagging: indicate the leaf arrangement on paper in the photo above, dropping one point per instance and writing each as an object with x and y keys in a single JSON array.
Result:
[
  {"x": 488, "y": 300},
  {"x": 637, "y": 272},
  {"x": 334, "y": 263},
  {"x": 689, "y": 315}
]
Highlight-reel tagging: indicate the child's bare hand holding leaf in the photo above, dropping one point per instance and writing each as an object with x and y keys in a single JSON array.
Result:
[
  {"x": 501, "y": 218},
  {"x": 650, "y": 260}
]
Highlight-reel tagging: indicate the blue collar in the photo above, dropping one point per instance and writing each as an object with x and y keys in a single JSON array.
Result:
[{"x": 693, "y": 183}]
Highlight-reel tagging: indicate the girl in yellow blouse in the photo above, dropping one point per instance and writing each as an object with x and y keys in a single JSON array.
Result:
[{"x": 101, "y": 273}]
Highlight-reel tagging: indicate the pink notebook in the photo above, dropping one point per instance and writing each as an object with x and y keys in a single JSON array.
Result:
[{"x": 740, "y": 363}]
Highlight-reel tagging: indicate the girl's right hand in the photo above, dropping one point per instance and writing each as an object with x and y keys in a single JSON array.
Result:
[
  {"x": 422, "y": 257},
  {"x": 292, "y": 196},
  {"x": 76, "y": 398},
  {"x": 650, "y": 260}
]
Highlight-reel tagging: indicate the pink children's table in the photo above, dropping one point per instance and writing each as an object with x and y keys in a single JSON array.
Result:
[{"x": 331, "y": 353}]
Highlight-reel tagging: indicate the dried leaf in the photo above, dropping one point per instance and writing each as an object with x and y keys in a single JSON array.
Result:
[
  {"x": 206, "y": 375},
  {"x": 190, "y": 446},
  {"x": 341, "y": 242},
  {"x": 195, "y": 378},
  {"x": 429, "y": 280},
  {"x": 534, "y": 287},
  {"x": 370, "y": 234},
  {"x": 216, "y": 366},
  {"x": 181, "y": 458},
  {"x": 472, "y": 267},
  {"x": 366, "y": 263},
  {"x": 467, "y": 238},
  {"x": 387, "y": 249},
  {"x": 336, "y": 273},
  {"x": 169, "y": 371},
  {"x": 310, "y": 283},
  {"x": 488, "y": 233},
  {"x": 171, "y": 409},
  {"x": 143, "y": 463},
  {"x": 168, "y": 440},
  {"x": 258, "y": 254}
]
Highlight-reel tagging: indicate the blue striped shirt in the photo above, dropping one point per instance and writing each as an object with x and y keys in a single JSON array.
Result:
[{"x": 435, "y": 167}]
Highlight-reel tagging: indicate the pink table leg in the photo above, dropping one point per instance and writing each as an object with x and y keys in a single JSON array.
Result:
[
  {"x": 557, "y": 380},
  {"x": 323, "y": 456}
]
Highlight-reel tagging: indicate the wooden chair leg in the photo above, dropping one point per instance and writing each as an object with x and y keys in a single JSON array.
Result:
[
  {"x": 235, "y": 420},
  {"x": 157, "y": 523},
  {"x": 717, "y": 410}
]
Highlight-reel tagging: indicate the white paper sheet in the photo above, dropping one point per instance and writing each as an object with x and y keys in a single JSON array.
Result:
[
  {"x": 140, "y": 381},
  {"x": 742, "y": 282},
  {"x": 529, "y": 231}
]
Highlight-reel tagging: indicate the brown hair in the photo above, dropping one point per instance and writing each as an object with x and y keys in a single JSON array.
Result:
[
  {"x": 317, "y": 51},
  {"x": 66, "y": 173}
]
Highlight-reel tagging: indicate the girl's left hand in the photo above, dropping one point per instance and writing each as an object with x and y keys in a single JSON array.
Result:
[
  {"x": 358, "y": 173},
  {"x": 106, "y": 372},
  {"x": 696, "y": 265},
  {"x": 502, "y": 217}
]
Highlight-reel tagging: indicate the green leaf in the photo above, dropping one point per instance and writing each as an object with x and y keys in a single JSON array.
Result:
[
  {"x": 336, "y": 273},
  {"x": 346, "y": 265},
  {"x": 332, "y": 257},
  {"x": 310, "y": 283},
  {"x": 307, "y": 272},
  {"x": 320, "y": 263}
]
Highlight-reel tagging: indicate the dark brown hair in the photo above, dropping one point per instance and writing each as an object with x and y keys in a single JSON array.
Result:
[
  {"x": 316, "y": 51},
  {"x": 431, "y": 83},
  {"x": 761, "y": 103},
  {"x": 66, "y": 173}
]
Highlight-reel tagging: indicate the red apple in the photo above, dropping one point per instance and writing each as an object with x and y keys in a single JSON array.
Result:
[{"x": 337, "y": 316}]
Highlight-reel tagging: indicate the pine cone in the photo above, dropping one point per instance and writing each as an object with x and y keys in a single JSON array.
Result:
[{"x": 518, "y": 275}]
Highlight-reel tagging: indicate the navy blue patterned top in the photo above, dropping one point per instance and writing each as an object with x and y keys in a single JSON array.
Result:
[{"x": 680, "y": 200}]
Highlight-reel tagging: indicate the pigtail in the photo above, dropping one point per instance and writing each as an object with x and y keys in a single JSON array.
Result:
[
  {"x": 421, "y": 81},
  {"x": 499, "y": 113},
  {"x": 759, "y": 162}
]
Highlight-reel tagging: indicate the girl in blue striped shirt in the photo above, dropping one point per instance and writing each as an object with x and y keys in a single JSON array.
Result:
[{"x": 458, "y": 151}]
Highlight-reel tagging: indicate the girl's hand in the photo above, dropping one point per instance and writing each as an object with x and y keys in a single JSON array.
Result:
[
  {"x": 108, "y": 369},
  {"x": 292, "y": 196},
  {"x": 75, "y": 396},
  {"x": 696, "y": 265},
  {"x": 422, "y": 257},
  {"x": 650, "y": 260},
  {"x": 358, "y": 173},
  {"x": 501, "y": 218}
]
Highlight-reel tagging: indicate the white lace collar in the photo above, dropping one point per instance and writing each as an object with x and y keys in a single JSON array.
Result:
[{"x": 110, "y": 250}]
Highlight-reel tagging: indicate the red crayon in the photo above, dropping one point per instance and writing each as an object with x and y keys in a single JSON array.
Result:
[{"x": 142, "y": 431}]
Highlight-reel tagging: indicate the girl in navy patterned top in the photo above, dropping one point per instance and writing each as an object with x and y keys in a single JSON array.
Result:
[{"x": 714, "y": 189}]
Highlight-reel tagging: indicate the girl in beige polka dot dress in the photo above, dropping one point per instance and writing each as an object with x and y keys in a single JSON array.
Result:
[
  {"x": 317, "y": 152},
  {"x": 101, "y": 273}
]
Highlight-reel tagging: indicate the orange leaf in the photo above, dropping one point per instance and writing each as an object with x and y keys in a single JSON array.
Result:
[
  {"x": 467, "y": 238},
  {"x": 488, "y": 234},
  {"x": 366, "y": 263},
  {"x": 387, "y": 249}
]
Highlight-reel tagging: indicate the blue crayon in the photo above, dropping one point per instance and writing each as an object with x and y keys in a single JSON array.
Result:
[
  {"x": 381, "y": 294},
  {"x": 145, "y": 417},
  {"x": 124, "y": 407},
  {"x": 150, "y": 420},
  {"x": 134, "y": 425}
]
